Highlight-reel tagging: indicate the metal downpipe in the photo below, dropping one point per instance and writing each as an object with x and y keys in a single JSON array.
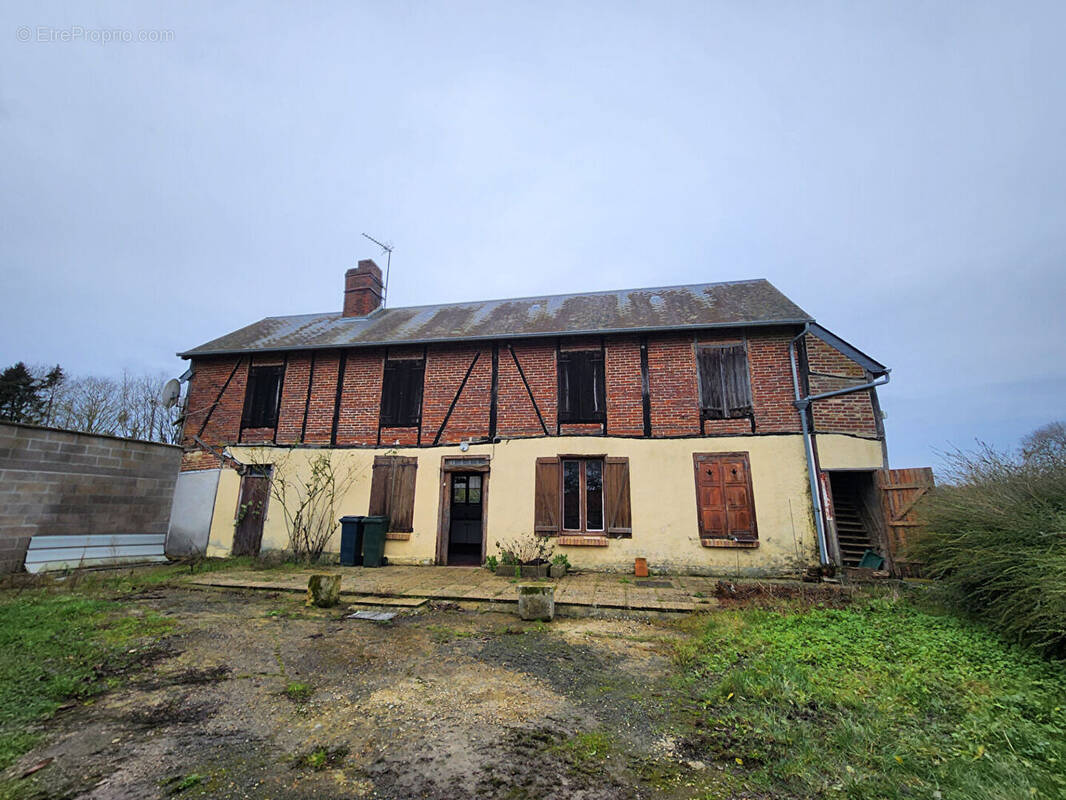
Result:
[
  {"x": 802, "y": 405},
  {"x": 801, "y": 409}
]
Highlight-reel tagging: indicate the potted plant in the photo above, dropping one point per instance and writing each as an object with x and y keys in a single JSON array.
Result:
[
  {"x": 524, "y": 556},
  {"x": 560, "y": 565}
]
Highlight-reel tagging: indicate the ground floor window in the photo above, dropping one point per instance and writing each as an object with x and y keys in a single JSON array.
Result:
[{"x": 582, "y": 495}]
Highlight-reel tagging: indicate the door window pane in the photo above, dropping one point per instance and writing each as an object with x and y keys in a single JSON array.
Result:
[
  {"x": 594, "y": 495},
  {"x": 459, "y": 489},
  {"x": 572, "y": 495}
]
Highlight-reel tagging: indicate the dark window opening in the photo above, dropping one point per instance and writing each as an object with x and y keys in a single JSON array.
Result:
[
  {"x": 725, "y": 388},
  {"x": 581, "y": 386},
  {"x": 401, "y": 393},
  {"x": 583, "y": 494},
  {"x": 262, "y": 397}
]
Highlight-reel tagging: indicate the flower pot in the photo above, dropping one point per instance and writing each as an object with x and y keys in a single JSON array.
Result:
[
  {"x": 640, "y": 568},
  {"x": 557, "y": 570},
  {"x": 522, "y": 571}
]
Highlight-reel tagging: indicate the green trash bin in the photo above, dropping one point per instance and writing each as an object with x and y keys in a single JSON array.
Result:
[{"x": 374, "y": 529}]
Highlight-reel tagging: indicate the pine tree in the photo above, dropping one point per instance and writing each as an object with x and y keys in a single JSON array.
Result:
[
  {"x": 49, "y": 388},
  {"x": 20, "y": 399}
]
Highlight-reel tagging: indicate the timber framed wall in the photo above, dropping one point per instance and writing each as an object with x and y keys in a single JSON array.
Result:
[{"x": 484, "y": 391}]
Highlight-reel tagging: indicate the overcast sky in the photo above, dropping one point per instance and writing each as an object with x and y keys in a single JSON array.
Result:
[{"x": 897, "y": 169}]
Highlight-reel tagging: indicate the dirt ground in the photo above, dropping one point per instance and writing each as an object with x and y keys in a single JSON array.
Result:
[{"x": 257, "y": 696}]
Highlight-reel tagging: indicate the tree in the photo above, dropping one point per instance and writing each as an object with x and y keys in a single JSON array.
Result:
[
  {"x": 50, "y": 386},
  {"x": 1046, "y": 446},
  {"x": 91, "y": 405},
  {"x": 20, "y": 399}
]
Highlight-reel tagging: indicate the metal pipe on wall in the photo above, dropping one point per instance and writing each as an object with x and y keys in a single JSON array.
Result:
[{"x": 802, "y": 406}]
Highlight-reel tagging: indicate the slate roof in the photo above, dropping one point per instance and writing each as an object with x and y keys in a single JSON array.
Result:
[{"x": 710, "y": 305}]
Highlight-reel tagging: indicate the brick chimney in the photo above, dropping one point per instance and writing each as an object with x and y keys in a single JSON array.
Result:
[{"x": 362, "y": 289}]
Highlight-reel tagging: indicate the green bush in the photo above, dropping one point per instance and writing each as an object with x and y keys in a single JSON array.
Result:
[{"x": 995, "y": 537}]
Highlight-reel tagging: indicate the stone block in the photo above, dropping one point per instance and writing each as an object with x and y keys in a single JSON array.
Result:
[
  {"x": 536, "y": 602},
  {"x": 324, "y": 591}
]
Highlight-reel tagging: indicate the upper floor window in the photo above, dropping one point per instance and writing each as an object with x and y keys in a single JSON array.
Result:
[
  {"x": 725, "y": 389},
  {"x": 262, "y": 397},
  {"x": 581, "y": 386},
  {"x": 401, "y": 392}
]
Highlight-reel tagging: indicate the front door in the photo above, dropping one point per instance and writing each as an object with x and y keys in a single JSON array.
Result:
[
  {"x": 251, "y": 511},
  {"x": 464, "y": 529}
]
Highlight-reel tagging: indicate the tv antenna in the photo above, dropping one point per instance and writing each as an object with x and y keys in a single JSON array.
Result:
[{"x": 386, "y": 247}]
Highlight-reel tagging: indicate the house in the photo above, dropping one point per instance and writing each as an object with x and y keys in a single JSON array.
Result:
[{"x": 689, "y": 425}]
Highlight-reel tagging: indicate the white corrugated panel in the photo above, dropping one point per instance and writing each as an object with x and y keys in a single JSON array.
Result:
[{"x": 93, "y": 550}]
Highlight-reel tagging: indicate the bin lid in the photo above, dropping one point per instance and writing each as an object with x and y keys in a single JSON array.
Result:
[
  {"x": 353, "y": 519},
  {"x": 376, "y": 519}
]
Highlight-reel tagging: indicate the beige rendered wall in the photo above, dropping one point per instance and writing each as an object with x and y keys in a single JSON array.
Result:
[
  {"x": 663, "y": 498},
  {"x": 839, "y": 451}
]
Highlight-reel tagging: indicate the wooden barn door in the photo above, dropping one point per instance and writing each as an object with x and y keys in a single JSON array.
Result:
[{"x": 901, "y": 489}]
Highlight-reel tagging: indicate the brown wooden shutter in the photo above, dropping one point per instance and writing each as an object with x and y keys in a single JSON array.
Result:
[
  {"x": 736, "y": 380},
  {"x": 740, "y": 508},
  {"x": 711, "y": 399},
  {"x": 710, "y": 498},
  {"x": 616, "y": 487},
  {"x": 392, "y": 491},
  {"x": 379, "y": 485},
  {"x": 547, "y": 503},
  {"x": 724, "y": 500}
]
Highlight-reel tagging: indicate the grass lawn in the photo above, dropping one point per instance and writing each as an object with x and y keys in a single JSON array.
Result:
[
  {"x": 878, "y": 700},
  {"x": 55, "y": 647},
  {"x": 882, "y": 698}
]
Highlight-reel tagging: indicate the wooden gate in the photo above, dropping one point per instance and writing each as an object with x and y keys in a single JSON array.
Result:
[{"x": 901, "y": 489}]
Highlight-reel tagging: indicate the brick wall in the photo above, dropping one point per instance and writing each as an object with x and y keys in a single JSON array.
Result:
[
  {"x": 831, "y": 370},
  {"x": 294, "y": 398},
  {"x": 625, "y": 389},
  {"x": 360, "y": 396},
  {"x": 445, "y": 369},
  {"x": 673, "y": 383},
  {"x": 60, "y": 482}
]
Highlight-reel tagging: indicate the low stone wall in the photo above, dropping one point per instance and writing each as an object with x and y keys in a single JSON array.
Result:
[{"x": 61, "y": 482}]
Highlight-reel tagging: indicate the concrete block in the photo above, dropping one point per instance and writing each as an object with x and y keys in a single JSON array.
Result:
[
  {"x": 324, "y": 591},
  {"x": 536, "y": 602}
]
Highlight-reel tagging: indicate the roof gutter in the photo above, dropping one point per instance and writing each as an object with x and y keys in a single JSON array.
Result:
[{"x": 802, "y": 406}]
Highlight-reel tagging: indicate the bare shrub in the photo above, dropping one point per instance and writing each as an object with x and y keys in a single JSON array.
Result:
[
  {"x": 308, "y": 495},
  {"x": 529, "y": 548}
]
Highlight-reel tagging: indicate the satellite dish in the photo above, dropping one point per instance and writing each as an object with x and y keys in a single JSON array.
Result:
[{"x": 168, "y": 397}]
